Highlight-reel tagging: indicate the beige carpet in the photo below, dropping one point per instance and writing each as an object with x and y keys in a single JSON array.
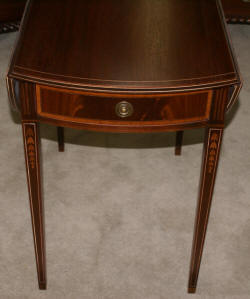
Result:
[{"x": 120, "y": 209}]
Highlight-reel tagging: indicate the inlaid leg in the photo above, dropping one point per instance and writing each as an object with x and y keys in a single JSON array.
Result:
[
  {"x": 60, "y": 136},
  {"x": 211, "y": 153},
  {"x": 32, "y": 149},
  {"x": 178, "y": 144}
]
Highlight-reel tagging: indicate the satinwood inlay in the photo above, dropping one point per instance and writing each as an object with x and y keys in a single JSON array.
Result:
[
  {"x": 212, "y": 151},
  {"x": 176, "y": 75},
  {"x": 30, "y": 142}
]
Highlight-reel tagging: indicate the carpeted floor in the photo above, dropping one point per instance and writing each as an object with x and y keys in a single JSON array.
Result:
[{"x": 120, "y": 209}]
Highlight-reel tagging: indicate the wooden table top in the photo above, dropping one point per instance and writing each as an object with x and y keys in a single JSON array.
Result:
[{"x": 140, "y": 45}]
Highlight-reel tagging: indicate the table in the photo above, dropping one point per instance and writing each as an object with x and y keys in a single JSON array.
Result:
[
  {"x": 123, "y": 66},
  {"x": 11, "y": 10},
  {"x": 237, "y": 11},
  {"x": 10, "y": 14}
]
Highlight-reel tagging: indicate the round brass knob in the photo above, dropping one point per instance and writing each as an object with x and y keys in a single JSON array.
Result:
[{"x": 124, "y": 109}]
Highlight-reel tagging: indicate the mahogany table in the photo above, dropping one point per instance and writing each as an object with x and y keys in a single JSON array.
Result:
[
  {"x": 237, "y": 11},
  {"x": 11, "y": 12},
  {"x": 123, "y": 66}
]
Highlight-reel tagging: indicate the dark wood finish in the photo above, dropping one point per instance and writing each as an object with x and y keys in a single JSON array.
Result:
[
  {"x": 31, "y": 139},
  {"x": 11, "y": 10},
  {"x": 151, "y": 55},
  {"x": 31, "y": 147},
  {"x": 178, "y": 144},
  {"x": 237, "y": 11},
  {"x": 60, "y": 135},
  {"x": 210, "y": 162},
  {"x": 125, "y": 66},
  {"x": 163, "y": 110}
]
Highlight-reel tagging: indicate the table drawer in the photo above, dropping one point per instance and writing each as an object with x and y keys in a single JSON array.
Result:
[{"x": 68, "y": 105}]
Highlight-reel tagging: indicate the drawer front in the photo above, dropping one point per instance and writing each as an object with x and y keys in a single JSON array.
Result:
[{"x": 76, "y": 106}]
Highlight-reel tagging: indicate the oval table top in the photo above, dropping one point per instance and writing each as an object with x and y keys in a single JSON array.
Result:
[{"x": 137, "y": 46}]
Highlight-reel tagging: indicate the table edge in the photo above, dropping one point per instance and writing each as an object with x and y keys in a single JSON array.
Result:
[{"x": 97, "y": 85}]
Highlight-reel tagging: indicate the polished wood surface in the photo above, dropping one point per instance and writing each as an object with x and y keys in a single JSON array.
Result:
[
  {"x": 32, "y": 153},
  {"x": 153, "y": 41},
  {"x": 124, "y": 66},
  {"x": 73, "y": 106},
  {"x": 211, "y": 153},
  {"x": 237, "y": 11}
]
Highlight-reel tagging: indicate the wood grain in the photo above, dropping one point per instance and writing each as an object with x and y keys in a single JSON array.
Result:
[
  {"x": 32, "y": 157},
  {"x": 211, "y": 153},
  {"x": 171, "y": 61},
  {"x": 169, "y": 109},
  {"x": 125, "y": 45}
]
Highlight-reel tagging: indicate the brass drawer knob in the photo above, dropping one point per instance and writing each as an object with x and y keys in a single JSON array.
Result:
[{"x": 124, "y": 109}]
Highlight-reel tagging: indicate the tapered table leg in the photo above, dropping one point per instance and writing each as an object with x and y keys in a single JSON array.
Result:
[
  {"x": 178, "y": 144},
  {"x": 32, "y": 149},
  {"x": 60, "y": 136},
  {"x": 210, "y": 161}
]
